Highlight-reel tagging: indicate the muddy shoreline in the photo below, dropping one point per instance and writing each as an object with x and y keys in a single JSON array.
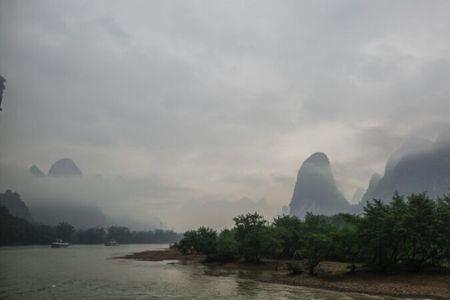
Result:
[{"x": 331, "y": 276}]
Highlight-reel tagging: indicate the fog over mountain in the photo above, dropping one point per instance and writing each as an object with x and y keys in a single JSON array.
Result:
[
  {"x": 316, "y": 190},
  {"x": 417, "y": 166},
  {"x": 64, "y": 167},
  {"x": 36, "y": 171},
  {"x": 185, "y": 108}
]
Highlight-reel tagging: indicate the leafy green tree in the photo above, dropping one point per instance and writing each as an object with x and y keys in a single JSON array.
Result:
[
  {"x": 346, "y": 244},
  {"x": 186, "y": 245},
  {"x": 316, "y": 241},
  {"x": 383, "y": 233},
  {"x": 202, "y": 240},
  {"x": 251, "y": 232},
  {"x": 441, "y": 249},
  {"x": 206, "y": 242},
  {"x": 227, "y": 246},
  {"x": 420, "y": 231},
  {"x": 288, "y": 231}
]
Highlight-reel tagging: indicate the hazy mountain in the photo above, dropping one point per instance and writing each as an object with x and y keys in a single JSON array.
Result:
[
  {"x": 371, "y": 189},
  {"x": 64, "y": 168},
  {"x": 315, "y": 190},
  {"x": 414, "y": 168},
  {"x": 411, "y": 146},
  {"x": 15, "y": 205},
  {"x": 36, "y": 171},
  {"x": 357, "y": 195},
  {"x": 54, "y": 212}
]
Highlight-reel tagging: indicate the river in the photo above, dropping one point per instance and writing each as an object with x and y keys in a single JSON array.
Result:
[{"x": 89, "y": 272}]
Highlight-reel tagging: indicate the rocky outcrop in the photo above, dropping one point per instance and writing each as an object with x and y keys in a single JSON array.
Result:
[
  {"x": 11, "y": 200},
  {"x": 64, "y": 168},
  {"x": 316, "y": 190},
  {"x": 35, "y": 171}
]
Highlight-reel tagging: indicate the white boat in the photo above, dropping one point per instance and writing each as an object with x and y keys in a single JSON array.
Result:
[
  {"x": 111, "y": 243},
  {"x": 59, "y": 244}
]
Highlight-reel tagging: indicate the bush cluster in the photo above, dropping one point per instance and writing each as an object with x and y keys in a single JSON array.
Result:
[{"x": 410, "y": 232}]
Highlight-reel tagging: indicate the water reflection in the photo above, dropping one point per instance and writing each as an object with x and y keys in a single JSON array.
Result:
[{"x": 89, "y": 272}]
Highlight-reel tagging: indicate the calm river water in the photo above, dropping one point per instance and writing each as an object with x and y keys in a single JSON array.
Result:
[{"x": 88, "y": 272}]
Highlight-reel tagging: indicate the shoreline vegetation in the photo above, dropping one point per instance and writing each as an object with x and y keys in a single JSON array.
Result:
[
  {"x": 15, "y": 231},
  {"x": 330, "y": 275},
  {"x": 401, "y": 248}
]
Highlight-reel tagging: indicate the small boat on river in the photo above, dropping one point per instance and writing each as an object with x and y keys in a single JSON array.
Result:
[{"x": 59, "y": 244}]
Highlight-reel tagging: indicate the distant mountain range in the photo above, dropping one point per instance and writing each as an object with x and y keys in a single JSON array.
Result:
[
  {"x": 51, "y": 210},
  {"x": 418, "y": 166},
  {"x": 64, "y": 167}
]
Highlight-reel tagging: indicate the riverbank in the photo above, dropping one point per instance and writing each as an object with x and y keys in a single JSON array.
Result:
[{"x": 330, "y": 275}]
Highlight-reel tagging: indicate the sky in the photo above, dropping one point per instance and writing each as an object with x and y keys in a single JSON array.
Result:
[{"x": 202, "y": 106}]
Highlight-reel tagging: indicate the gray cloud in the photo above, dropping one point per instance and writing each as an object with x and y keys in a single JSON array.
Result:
[{"x": 217, "y": 97}]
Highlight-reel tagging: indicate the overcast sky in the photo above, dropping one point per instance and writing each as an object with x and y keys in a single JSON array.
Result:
[{"x": 220, "y": 100}]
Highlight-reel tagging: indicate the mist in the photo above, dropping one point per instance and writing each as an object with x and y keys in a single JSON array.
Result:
[{"x": 185, "y": 109}]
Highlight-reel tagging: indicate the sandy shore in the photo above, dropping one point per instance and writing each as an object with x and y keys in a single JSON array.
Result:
[{"x": 331, "y": 275}]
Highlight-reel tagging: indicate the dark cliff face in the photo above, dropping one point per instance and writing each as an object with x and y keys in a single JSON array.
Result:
[
  {"x": 15, "y": 205},
  {"x": 315, "y": 190},
  {"x": 423, "y": 169},
  {"x": 64, "y": 168}
]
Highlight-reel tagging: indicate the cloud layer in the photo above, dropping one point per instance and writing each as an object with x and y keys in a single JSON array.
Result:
[{"x": 220, "y": 99}]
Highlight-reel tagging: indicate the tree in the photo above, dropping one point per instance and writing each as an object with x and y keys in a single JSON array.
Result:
[
  {"x": 186, "y": 245},
  {"x": 441, "y": 251},
  {"x": 346, "y": 244},
  {"x": 119, "y": 233},
  {"x": 288, "y": 231},
  {"x": 64, "y": 231},
  {"x": 316, "y": 241},
  {"x": 227, "y": 246},
  {"x": 251, "y": 232},
  {"x": 91, "y": 236},
  {"x": 418, "y": 222},
  {"x": 206, "y": 242}
]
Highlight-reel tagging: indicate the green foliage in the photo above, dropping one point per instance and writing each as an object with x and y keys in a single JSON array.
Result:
[
  {"x": 316, "y": 241},
  {"x": 206, "y": 241},
  {"x": 252, "y": 234},
  {"x": 202, "y": 240},
  {"x": 345, "y": 242},
  {"x": 227, "y": 246},
  {"x": 188, "y": 242},
  {"x": 288, "y": 231},
  {"x": 410, "y": 232},
  {"x": 17, "y": 231},
  {"x": 442, "y": 238}
]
